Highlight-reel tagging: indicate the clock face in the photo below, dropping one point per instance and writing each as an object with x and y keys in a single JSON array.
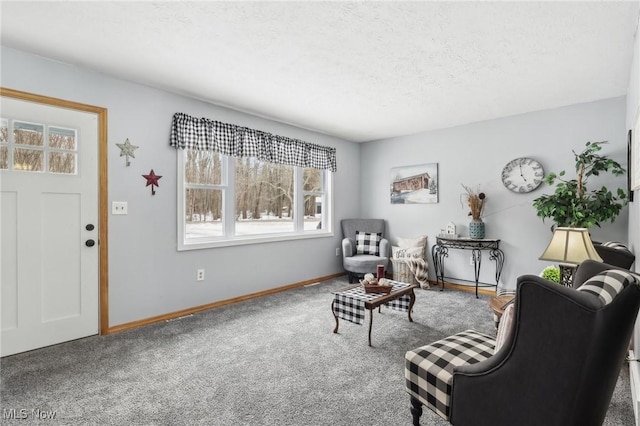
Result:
[{"x": 522, "y": 175}]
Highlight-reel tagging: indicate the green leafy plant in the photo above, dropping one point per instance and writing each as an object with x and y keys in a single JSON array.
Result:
[
  {"x": 551, "y": 273},
  {"x": 572, "y": 204}
]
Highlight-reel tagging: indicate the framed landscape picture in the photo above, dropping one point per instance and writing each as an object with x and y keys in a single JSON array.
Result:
[{"x": 414, "y": 184}]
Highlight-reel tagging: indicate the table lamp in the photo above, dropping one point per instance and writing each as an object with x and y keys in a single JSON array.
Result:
[{"x": 569, "y": 247}]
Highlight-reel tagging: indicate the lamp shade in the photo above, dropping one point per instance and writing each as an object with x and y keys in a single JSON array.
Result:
[{"x": 570, "y": 246}]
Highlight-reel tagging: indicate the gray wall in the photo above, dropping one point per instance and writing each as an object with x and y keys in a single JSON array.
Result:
[
  {"x": 147, "y": 275},
  {"x": 474, "y": 155},
  {"x": 633, "y": 106}
]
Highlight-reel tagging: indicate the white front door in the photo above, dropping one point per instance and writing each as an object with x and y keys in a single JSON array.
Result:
[{"x": 49, "y": 219}]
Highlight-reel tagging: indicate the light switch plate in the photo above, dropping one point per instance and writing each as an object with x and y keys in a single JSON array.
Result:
[{"x": 119, "y": 207}]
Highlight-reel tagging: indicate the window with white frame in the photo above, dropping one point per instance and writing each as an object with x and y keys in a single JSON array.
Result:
[{"x": 228, "y": 200}]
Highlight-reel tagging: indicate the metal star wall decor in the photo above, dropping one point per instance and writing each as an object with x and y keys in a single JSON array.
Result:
[
  {"x": 126, "y": 149},
  {"x": 152, "y": 179}
]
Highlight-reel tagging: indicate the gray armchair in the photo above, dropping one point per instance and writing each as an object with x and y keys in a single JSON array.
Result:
[
  {"x": 360, "y": 264},
  {"x": 558, "y": 365}
]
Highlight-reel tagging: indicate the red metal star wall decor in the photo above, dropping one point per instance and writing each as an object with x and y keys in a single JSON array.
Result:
[{"x": 152, "y": 179}]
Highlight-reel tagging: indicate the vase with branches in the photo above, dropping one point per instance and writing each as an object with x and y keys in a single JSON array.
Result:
[
  {"x": 476, "y": 201},
  {"x": 573, "y": 204}
]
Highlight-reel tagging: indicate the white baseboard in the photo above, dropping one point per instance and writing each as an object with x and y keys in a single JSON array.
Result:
[{"x": 634, "y": 379}]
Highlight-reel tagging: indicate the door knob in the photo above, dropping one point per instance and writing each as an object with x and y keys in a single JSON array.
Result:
[
  {"x": 89, "y": 243},
  {"x": 89, "y": 227}
]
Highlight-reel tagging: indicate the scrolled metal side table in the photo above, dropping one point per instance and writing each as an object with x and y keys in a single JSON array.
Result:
[{"x": 440, "y": 251}]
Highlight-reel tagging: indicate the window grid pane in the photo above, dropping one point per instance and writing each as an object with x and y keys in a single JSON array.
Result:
[
  {"x": 313, "y": 184},
  {"x": 30, "y": 153},
  {"x": 264, "y": 197},
  {"x": 28, "y": 134},
  {"x": 203, "y": 167},
  {"x": 312, "y": 180},
  {"x": 28, "y": 159},
  {"x": 4, "y": 131},
  {"x": 63, "y": 139},
  {"x": 4, "y": 157},
  {"x": 62, "y": 162},
  {"x": 203, "y": 213},
  {"x": 312, "y": 212}
]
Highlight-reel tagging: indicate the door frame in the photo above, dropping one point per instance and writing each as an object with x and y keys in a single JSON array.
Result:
[{"x": 103, "y": 198}]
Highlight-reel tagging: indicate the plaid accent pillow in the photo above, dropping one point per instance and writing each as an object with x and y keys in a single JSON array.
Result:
[
  {"x": 607, "y": 284},
  {"x": 368, "y": 243},
  {"x": 429, "y": 369}
]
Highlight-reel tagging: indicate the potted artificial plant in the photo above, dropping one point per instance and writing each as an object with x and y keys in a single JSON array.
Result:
[{"x": 573, "y": 204}]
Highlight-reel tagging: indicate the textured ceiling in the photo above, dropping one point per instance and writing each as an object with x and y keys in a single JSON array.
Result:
[{"x": 356, "y": 70}]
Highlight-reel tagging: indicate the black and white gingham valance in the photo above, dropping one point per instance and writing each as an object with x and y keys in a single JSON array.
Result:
[{"x": 228, "y": 139}]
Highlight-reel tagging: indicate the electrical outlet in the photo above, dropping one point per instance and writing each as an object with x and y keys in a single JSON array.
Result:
[
  {"x": 200, "y": 275},
  {"x": 338, "y": 251}
]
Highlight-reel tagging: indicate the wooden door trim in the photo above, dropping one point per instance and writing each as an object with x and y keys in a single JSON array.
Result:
[{"x": 103, "y": 198}]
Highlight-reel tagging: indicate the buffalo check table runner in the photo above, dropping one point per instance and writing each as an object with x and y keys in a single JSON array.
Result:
[{"x": 349, "y": 304}]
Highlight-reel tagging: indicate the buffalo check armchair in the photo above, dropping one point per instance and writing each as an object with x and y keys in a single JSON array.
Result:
[{"x": 557, "y": 365}]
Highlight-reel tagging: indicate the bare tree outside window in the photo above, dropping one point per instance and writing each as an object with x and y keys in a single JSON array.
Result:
[
  {"x": 204, "y": 194},
  {"x": 26, "y": 136},
  {"x": 62, "y": 156},
  {"x": 312, "y": 186},
  {"x": 4, "y": 141},
  {"x": 27, "y": 150},
  {"x": 264, "y": 197}
]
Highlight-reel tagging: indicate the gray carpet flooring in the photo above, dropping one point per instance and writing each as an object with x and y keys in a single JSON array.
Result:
[{"x": 267, "y": 361}]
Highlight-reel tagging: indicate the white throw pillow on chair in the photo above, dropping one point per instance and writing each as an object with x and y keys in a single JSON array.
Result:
[{"x": 412, "y": 242}]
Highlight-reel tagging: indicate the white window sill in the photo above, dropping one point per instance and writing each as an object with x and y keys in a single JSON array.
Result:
[{"x": 198, "y": 244}]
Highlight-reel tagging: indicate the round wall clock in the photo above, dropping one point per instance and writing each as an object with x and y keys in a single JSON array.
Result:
[{"x": 522, "y": 175}]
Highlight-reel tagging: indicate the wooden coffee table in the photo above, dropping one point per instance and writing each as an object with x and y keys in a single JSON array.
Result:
[
  {"x": 498, "y": 305},
  {"x": 375, "y": 300}
]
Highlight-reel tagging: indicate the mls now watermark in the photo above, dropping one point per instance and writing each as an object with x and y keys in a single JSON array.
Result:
[{"x": 24, "y": 414}]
